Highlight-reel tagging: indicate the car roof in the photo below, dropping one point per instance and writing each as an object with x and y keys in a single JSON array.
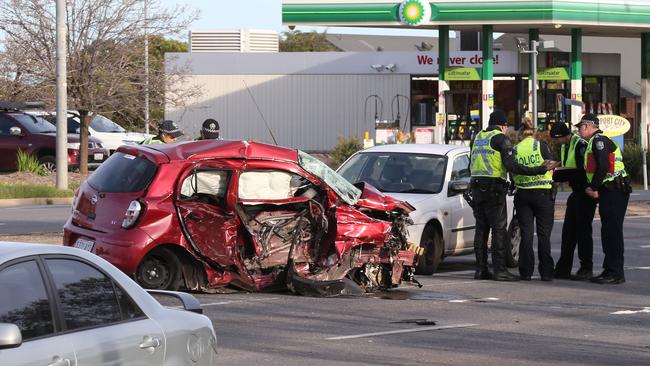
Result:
[
  {"x": 222, "y": 149},
  {"x": 13, "y": 250},
  {"x": 435, "y": 149}
]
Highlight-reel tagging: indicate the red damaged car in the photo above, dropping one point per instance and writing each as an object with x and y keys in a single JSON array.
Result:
[{"x": 212, "y": 214}]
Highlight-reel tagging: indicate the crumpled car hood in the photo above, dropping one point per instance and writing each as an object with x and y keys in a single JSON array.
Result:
[{"x": 371, "y": 198}]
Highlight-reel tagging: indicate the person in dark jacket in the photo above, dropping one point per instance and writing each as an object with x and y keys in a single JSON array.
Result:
[
  {"x": 580, "y": 208},
  {"x": 535, "y": 206},
  {"x": 609, "y": 183},
  {"x": 168, "y": 132},
  {"x": 491, "y": 159},
  {"x": 209, "y": 130}
]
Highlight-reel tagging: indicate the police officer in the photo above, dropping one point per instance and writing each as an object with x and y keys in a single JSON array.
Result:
[
  {"x": 168, "y": 132},
  {"x": 491, "y": 159},
  {"x": 535, "y": 205},
  {"x": 209, "y": 130},
  {"x": 608, "y": 183},
  {"x": 580, "y": 208}
]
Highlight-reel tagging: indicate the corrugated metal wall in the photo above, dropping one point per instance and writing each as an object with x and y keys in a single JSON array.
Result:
[{"x": 308, "y": 112}]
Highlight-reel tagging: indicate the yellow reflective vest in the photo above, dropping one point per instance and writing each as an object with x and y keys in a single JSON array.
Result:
[
  {"x": 528, "y": 153},
  {"x": 486, "y": 161}
]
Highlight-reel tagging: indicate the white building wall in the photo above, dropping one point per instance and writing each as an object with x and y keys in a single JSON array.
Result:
[{"x": 308, "y": 112}]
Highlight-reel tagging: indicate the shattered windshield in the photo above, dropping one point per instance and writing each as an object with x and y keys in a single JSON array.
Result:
[{"x": 349, "y": 193}]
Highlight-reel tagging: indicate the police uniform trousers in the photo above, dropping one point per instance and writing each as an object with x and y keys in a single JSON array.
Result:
[
  {"x": 490, "y": 213},
  {"x": 612, "y": 207},
  {"x": 579, "y": 215},
  {"x": 535, "y": 206}
]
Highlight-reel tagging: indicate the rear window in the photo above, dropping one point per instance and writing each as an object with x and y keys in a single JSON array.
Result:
[{"x": 123, "y": 173}]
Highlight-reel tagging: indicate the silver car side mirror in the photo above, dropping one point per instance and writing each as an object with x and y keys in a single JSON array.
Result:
[
  {"x": 15, "y": 131},
  {"x": 458, "y": 186},
  {"x": 10, "y": 336}
]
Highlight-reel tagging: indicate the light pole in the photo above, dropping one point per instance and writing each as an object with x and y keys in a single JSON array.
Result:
[
  {"x": 61, "y": 97},
  {"x": 523, "y": 48},
  {"x": 146, "y": 68}
]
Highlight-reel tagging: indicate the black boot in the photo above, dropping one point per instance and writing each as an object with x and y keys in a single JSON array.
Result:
[
  {"x": 482, "y": 272},
  {"x": 499, "y": 260},
  {"x": 504, "y": 275}
]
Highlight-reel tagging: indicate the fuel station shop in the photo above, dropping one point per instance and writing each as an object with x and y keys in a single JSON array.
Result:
[
  {"x": 568, "y": 83},
  {"x": 599, "y": 62}
]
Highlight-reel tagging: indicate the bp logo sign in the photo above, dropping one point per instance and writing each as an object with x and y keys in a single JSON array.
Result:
[{"x": 414, "y": 12}]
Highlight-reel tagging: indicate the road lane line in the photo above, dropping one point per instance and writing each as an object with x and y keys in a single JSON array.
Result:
[
  {"x": 238, "y": 301},
  {"x": 645, "y": 246},
  {"x": 401, "y": 331},
  {"x": 627, "y": 312},
  {"x": 637, "y": 268}
]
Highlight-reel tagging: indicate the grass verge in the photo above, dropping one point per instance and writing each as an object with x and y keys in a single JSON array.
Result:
[{"x": 31, "y": 191}]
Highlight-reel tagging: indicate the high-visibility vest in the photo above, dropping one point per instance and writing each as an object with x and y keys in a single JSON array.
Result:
[
  {"x": 528, "y": 153},
  {"x": 152, "y": 140},
  {"x": 616, "y": 166},
  {"x": 568, "y": 152},
  {"x": 486, "y": 161}
]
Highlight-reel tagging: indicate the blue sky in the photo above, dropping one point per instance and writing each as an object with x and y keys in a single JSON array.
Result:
[{"x": 261, "y": 14}]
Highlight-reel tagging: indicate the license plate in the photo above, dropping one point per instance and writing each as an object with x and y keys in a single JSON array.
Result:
[
  {"x": 98, "y": 156},
  {"x": 84, "y": 244}
]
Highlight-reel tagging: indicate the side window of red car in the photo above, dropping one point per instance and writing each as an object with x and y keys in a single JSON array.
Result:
[{"x": 205, "y": 185}]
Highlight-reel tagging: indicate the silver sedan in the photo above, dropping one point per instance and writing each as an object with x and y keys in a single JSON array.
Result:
[{"x": 62, "y": 306}]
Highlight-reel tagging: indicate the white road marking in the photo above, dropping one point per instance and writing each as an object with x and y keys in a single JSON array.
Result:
[
  {"x": 637, "y": 268},
  {"x": 3, "y": 223},
  {"x": 645, "y": 246},
  {"x": 458, "y": 300},
  {"x": 401, "y": 331},
  {"x": 448, "y": 283},
  {"x": 238, "y": 301},
  {"x": 627, "y": 312},
  {"x": 490, "y": 299}
]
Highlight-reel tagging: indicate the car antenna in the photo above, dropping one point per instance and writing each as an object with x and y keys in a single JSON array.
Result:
[{"x": 261, "y": 115}]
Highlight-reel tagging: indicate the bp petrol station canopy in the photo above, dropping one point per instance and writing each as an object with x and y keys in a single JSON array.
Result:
[{"x": 612, "y": 18}]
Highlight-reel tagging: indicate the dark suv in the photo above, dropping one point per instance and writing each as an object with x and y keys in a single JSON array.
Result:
[{"x": 36, "y": 136}]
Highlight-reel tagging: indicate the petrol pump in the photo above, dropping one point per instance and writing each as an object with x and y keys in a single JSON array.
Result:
[{"x": 463, "y": 115}]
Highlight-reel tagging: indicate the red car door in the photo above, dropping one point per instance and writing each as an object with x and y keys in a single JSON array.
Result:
[{"x": 204, "y": 212}]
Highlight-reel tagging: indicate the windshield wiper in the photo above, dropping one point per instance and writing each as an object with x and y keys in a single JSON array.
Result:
[{"x": 417, "y": 190}]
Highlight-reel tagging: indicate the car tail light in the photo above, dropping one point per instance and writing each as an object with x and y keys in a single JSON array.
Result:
[
  {"x": 73, "y": 156},
  {"x": 131, "y": 215}
]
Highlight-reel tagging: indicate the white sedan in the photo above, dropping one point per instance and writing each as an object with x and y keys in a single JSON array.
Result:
[
  {"x": 62, "y": 306},
  {"x": 432, "y": 178}
]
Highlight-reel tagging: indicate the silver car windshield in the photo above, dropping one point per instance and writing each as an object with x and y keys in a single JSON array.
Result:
[
  {"x": 102, "y": 124},
  {"x": 348, "y": 193},
  {"x": 397, "y": 172}
]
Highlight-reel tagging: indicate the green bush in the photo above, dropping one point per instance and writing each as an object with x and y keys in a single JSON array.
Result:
[
  {"x": 29, "y": 163},
  {"x": 633, "y": 160},
  {"x": 344, "y": 149}
]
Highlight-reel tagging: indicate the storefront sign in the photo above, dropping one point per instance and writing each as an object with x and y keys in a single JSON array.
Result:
[
  {"x": 613, "y": 125},
  {"x": 462, "y": 73},
  {"x": 554, "y": 73}
]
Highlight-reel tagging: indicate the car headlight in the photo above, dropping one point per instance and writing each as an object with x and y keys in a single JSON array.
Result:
[
  {"x": 73, "y": 145},
  {"x": 132, "y": 213}
]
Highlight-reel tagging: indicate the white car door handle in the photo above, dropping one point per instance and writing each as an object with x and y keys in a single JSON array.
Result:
[
  {"x": 58, "y": 361},
  {"x": 149, "y": 343}
]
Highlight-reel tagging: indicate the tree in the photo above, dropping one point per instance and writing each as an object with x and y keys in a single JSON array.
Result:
[
  {"x": 105, "y": 53},
  {"x": 297, "y": 41}
]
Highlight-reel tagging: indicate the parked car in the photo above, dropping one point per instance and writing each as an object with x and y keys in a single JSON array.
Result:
[
  {"x": 65, "y": 306},
  {"x": 36, "y": 136},
  {"x": 110, "y": 133},
  {"x": 207, "y": 214},
  {"x": 432, "y": 178}
]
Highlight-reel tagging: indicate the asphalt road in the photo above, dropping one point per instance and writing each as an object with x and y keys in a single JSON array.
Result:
[
  {"x": 33, "y": 219},
  {"x": 466, "y": 322},
  {"x": 476, "y": 322}
]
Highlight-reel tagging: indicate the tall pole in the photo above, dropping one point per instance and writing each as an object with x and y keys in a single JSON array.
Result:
[
  {"x": 146, "y": 69},
  {"x": 61, "y": 98},
  {"x": 534, "y": 75}
]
